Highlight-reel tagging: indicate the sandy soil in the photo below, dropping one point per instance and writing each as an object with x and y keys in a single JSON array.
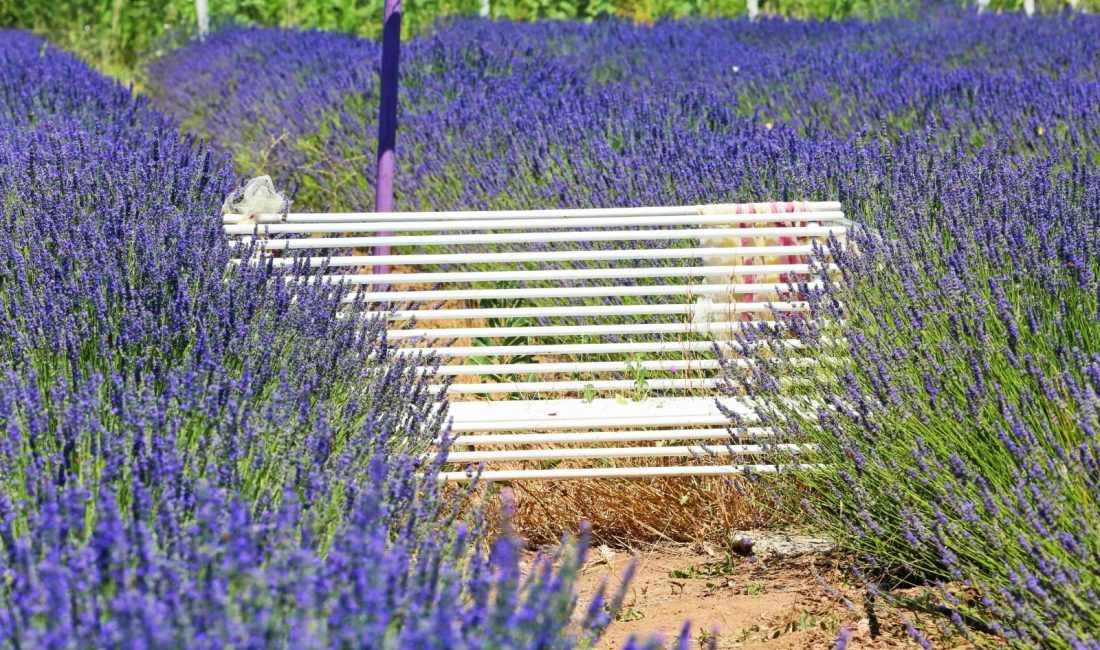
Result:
[{"x": 767, "y": 601}]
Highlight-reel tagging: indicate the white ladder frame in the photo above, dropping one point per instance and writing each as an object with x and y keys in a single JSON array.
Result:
[{"x": 715, "y": 307}]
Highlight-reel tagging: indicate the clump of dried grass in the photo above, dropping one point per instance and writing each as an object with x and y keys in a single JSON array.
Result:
[{"x": 623, "y": 513}]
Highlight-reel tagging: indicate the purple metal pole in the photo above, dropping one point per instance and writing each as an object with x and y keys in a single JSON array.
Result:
[{"x": 387, "y": 116}]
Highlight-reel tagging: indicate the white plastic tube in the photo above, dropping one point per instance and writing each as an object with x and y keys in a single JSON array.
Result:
[
  {"x": 582, "y": 437},
  {"x": 686, "y": 451},
  {"x": 560, "y": 213},
  {"x": 579, "y": 292},
  {"x": 510, "y": 257},
  {"x": 568, "y": 274},
  {"x": 528, "y": 224},
  {"x": 620, "y": 472},
  {"x": 458, "y": 239}
]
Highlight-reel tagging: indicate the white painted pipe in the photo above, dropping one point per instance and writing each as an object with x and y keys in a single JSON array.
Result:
[
  {"x": 622, "y": 329},
  {"x": 688, "y": 451},
  {"x": 682, "y": 365},
  {"x": 510, "y": 257},
  {"x": 572, "y": 367},
  {"x": 585, "y": 311},
  {"x": 559, "y": 213},
  {"x": 656, "y": 347},
  {"x": 399, "y": 297},
  {"x": 630, "y": 272},
  {"x": 645, "y": 435},
  {"x": 592, "y": 423},
  {"x": 567, "y": 236},
  {"x": 620, "y": 472},
  {"x": 575, "y": 386},
  {"x": 574, "y": 409},
  {"x": 528, "y": 224}
]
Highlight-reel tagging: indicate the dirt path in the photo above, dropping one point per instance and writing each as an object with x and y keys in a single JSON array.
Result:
[{"x": 765, "y": 601}]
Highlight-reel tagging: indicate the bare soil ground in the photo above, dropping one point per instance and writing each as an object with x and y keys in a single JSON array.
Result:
[{"x": 785, "y": 596}]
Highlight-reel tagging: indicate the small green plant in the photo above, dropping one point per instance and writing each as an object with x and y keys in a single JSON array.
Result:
[
  {"x": 707, "y": 638},
  {"x": 629, "y": 614},
  {"x": 640, "y": 375},
  {"x": 806, "y": 621},
  {"x": 589, "y": 393},
  {"x": 695, "y": 572},
  {"x": 754, "y": 588},
  {"x": 688, "y": 573}
]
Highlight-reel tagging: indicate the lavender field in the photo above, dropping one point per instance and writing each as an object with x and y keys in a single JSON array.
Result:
[{"x": 195, "y": 456}]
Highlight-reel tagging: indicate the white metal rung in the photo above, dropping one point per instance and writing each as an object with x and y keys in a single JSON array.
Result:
[
  {"x": 583, "y": 311},
  {"x": 618, "y": 329},
  {"x": 451, "y": 277},
  {"x": 620, "y": 472},
  {"x": 655, "y": 347},
  {"x": 515, "y": 257},
  {"x": 561, "y": 213},
  {"x": 780, "y": 288},
  {"x": 548, "y": 237},
  {"x": 529, "y": 224},
  {"x": 640, "y": 435},
  {"x": 689, "y": 451}
]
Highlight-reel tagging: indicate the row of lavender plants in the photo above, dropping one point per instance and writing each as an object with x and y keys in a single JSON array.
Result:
[
  {"x": 497, "y": 115},
  {"x": 961, "y": 435},
  {"x": 194, "y": 454}
]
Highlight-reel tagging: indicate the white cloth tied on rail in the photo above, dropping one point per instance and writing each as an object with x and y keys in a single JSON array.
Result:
[
  {"x": 258, "y": 196},
  {"x": 702, "y": 311}
]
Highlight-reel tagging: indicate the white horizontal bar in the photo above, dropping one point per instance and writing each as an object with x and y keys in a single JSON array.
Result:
[
  {"x": 619, "y": 472},
  {"x": 575, "y": 330},
  {"x": 682, "y": 365},
  {"x": 581, "y": 437},
  {"x": 656, "y": 347},
  {"x": 579, "y": 292},
  {"x": 509, "y": 257},
  {"x": 654, "y": 385},
  {"x": 597, "y": 422},
  {"x": 579, "y": 311},
  {"x": 689, "y": 451},
  {"x": 564, "y": 409},
  {"x": 545, "y": 237},
  {"x": 530, "y": 224},
  {"x": 497, "y": 388},
  {"x": 561, "y": 213},
  {"x": 449, "y": 277},
  {"x": 672, "y": 365},
  {"x": 610, "y": 436}
]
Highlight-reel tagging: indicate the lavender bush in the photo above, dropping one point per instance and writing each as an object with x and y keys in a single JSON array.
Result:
[
  {"x": 194, "y": 453},
  {"x": 959, "y": 429},
  {"x": 959, "y": 437}
]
